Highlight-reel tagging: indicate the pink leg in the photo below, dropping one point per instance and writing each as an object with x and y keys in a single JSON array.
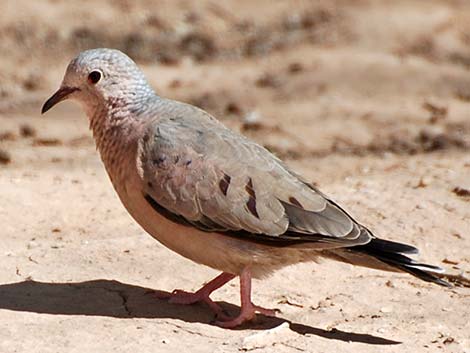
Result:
[
  {"x": 202, "y": 295},
  {"x": 248, "y": 309}
]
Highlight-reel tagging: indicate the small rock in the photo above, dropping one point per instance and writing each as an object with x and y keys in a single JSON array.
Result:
[
  {"x": 252, "y": 121},
  {"x": 423, "y": 182},
  {"x": 268, "y": 80},
  {"x": 450, "y": 262},
  {"x": 252, "y": 118},
  {"x": 460, "y": 191},
  {"x": 32, "y": 82},
  {"x": 449, "y": 340},
  {"x": 286, "y": 301},
  {"x": 5, "y": 157},
  {"x": 295, "y": 67},
  {"x": 268, "y": 338},
  {"x": 233, "y": 108},
  {"x": 27, "y": 131},
  {"x": 47, "y": 142}
]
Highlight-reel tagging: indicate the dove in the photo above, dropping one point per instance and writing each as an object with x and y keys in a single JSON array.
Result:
[{"x": 210, "y": 194}]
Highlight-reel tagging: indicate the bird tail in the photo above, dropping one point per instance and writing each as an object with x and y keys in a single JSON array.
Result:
[{"x": 391, "y": 256}]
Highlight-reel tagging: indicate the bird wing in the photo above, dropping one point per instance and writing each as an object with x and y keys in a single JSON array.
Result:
[{"x": 199, "y": 173}]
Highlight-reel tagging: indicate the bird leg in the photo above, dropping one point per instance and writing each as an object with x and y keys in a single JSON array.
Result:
[
  {"x": 179, "y": 296},
  {"x": 248, "y": 309}
]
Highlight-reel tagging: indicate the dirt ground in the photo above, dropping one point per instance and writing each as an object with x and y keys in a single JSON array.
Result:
[{"x": 367, "y": 99}]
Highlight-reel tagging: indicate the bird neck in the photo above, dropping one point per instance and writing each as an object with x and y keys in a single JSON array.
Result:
[{"x": 116, "y": 127}]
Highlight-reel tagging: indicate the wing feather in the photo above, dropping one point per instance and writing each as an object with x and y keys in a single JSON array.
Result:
[{"x": 217, "y": 180}]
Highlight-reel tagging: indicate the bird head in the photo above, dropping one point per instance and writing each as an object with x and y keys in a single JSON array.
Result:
[{"x": 97, "y": 76}]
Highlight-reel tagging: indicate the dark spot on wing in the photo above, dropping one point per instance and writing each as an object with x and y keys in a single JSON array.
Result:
[
  {"x": 224, "y": 184},
  {"x": 188, "y": 162},
  {"x": 150, "y": 185},
  {"x": 295, "y": 202},
  {"x": 251, "y": 203},
  {"x": 249, "y": 188}
]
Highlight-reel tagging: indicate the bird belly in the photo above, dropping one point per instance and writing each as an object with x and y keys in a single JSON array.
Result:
[{"x": 216, "y": 250}]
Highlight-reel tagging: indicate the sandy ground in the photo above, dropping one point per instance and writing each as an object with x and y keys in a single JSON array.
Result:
[{"x": 368, "y": 99}]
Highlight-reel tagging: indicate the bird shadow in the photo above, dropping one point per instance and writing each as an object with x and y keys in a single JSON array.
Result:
[{"x": 126, "y": 301}]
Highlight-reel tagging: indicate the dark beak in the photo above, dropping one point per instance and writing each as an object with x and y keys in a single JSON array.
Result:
[{"x": 57, "y": 97}]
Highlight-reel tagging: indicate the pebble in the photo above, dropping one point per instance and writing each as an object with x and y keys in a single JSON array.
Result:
[{"x": 268, "y": 338}]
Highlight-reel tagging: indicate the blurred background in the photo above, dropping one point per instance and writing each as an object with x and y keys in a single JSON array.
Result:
[
  {"x": 368, "y": 99},
  {"x": 346, "y": 76}
]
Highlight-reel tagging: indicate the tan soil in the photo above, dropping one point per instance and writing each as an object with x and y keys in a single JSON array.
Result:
[{"x": 368, "y": 99}]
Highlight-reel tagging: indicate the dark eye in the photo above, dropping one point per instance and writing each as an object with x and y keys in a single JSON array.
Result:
[{"x": 94, "y": 77}]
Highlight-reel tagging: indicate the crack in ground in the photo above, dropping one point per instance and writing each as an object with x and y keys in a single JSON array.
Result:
[
  {"x": 291, "y": 346},
  {"x": 189, "y": 331},
  {"x": 124, "y": 298},
  {"x": 124, "y": 302}
]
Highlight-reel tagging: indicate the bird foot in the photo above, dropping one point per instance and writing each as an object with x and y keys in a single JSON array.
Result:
[
  {"x": 248, "y": 313},
  {"x": 248, "y": 309},
  {"x": 182, "y": 297}
]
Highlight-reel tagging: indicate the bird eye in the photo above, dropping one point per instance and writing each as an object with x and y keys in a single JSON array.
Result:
[{"x": 94, "y": 77}]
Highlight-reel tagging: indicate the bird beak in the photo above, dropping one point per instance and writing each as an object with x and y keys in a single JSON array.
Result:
[{"x": 60, "y": 95}]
